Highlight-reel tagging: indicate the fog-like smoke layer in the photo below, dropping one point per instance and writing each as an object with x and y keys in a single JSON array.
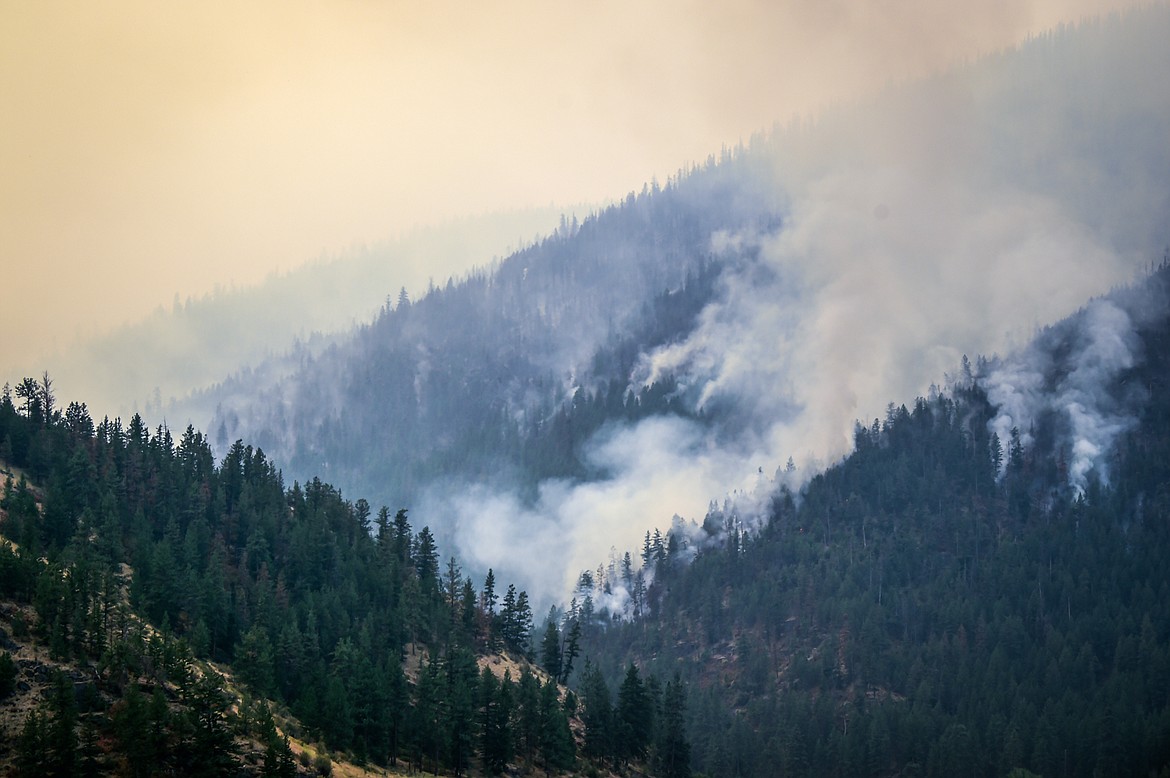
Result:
[
  {"x": 157, "y": 366},
  {"x": 650, "y": 470},
  {"x": 951, "y": 217}
]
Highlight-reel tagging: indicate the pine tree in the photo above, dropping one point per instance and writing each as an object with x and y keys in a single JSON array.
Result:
[
  {"x": 495, "y": 719},
  {"x": 673, "y": 751},
  {"x": 210, "y": 749},
  {"x": 384, "y": 538},
  {"x": 402, "y": 537},
  {"x": 571, "y": 650},
  {"x": 508, "y": 626},
  {"x": 597, "y": 714},
  {"x": 459, "y": 719},
  {"x": 527, "y": 718},
  {"x": 32, "y": 749},
  {"x": 426, "y": 561},
  {"x": 61, "y": 735},
  {"x": 557, "y": 747},
  {"x": 634, "y": 720},
  {"x": 522, "y": 624},
  {"x": 550, "y": 649},
  {"x": 428, "y": 729}
]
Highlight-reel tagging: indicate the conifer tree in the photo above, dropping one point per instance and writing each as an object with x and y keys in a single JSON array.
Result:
[
  {"x": 571, "y": 650},
  {"x": 557, "y": 749},
  {"x": 673, "y": 750},
  {"x": 597, "y": 714},
  {"x": 550, "y": 650},
  {"x": 634, "y": 719}
]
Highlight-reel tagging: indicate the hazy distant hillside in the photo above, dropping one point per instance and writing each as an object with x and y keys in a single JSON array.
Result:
[
  {"x": 153, "y": 365},
  {"x": 689, "y": 341},
  {"x": 469, "y": 380}
]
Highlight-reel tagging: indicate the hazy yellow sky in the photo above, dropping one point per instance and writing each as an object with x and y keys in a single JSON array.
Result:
[{"x": 163, "y": 147}]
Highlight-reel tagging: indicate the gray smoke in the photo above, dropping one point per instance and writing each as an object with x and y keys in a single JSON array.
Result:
[
  {"x": 955, "y": 216},
  {"x": 1078, "y": 385}
]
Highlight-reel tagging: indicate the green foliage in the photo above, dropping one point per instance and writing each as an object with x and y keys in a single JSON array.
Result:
[
  {"x": 285, "y": 585},
  {"x": 633, "y": 718},
  {"x": 556, "y": 745},
  {"x": 550, "y": 649},
  {"x": 912, "y": 613},
  {"x": 672, "y": 751}
]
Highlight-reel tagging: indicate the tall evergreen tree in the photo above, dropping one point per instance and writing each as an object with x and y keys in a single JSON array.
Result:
[
  {"x": 634, "y": 719},
  {"x": 672, "y": 754},
  {"x": 550, "y": 650}
]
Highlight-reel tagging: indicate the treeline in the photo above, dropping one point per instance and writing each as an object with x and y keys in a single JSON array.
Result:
[
  {"x": 940, "y": 603},
  {"x": 345, "y": 616}
]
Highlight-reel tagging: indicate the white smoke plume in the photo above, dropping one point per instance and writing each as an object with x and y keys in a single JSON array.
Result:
[
  {"x": 951, "y": 217},
  {"x": 1077, "y": 385},
  {"x": 650, "y": 468}
]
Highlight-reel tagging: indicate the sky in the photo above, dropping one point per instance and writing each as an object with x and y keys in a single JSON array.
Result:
[{"x": 150, "y": 150}]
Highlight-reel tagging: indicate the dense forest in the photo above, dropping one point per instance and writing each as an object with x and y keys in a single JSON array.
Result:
[
  {"x": 978, "y": 587},
  {"x": 942, "y": 602},
  {"x": 136, "y": 560}
]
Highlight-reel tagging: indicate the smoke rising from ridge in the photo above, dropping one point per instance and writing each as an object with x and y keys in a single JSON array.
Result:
[
  {"x": 153, "y": 148},
  {"x": 1071, "y": 371},
  {"x": 950, "y": 217}
]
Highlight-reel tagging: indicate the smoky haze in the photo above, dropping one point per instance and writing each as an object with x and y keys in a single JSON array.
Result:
[
  {"x": 158, "y": 366},
  {"x": 152, "y": 150},
  {"x": 953, "y": 216}
]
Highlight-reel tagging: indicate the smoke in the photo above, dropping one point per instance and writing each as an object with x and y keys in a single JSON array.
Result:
[
  {"x": 649, "y": 470},
  {"x": 160, "y": 366},
  {"x": 954, "y": 216},
  {"x": 1072, "y": 372}
]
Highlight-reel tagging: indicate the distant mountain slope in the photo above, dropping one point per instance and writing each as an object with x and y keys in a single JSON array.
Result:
[
  {"x": 942, "y": 601},
  {"x": 479, "y": 377},
  {"x": 689, "y": 341},
  {"x": 153, "y": 365}
]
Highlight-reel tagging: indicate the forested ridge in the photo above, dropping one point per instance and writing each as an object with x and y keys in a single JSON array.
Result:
[
  {"x": 941, "y": 602},
  {"x": 477, "y": 379},
  {"x": 978, "y": 588},
  {"x": 136, "y": 559}
]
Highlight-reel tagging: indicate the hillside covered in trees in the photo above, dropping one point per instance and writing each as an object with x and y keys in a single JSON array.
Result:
[
  {"x": 740, "y": 314},
  {"x": 943, "y": 602},
  {"x": 135, "y": 560},
  {"x": 972, "y": 583}
]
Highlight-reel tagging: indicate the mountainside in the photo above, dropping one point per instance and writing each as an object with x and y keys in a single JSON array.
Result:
[
  {"x": 653, "y": 414},
  {"x": 943, "y": 601},
  {"x": 155, "y": 365},
  {"x": 940, "y": 602},
  {"x": 504, "y": 347},
  {"x": 138, "y": 568},
  {"x": 691, "y": 340}
]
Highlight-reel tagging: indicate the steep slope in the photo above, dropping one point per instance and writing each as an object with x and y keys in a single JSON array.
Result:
[
  {"x": 689, "y": 341},
  {"x": 943, "y": 602}
]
